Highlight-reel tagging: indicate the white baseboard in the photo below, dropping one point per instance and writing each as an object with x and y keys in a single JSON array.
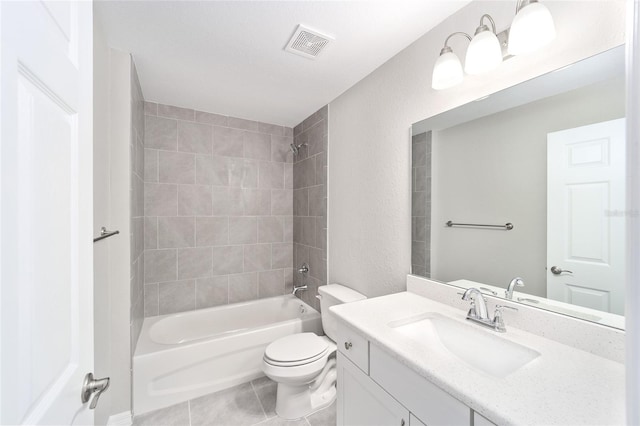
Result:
[{"x": 120, "y": 419}]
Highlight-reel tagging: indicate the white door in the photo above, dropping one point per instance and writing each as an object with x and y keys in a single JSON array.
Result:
[
  {"x": 45, "y": 211},
  {"x": 586, "y": 217}
]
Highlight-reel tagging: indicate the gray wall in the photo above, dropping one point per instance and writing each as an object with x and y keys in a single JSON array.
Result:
[
  {"x": 310, "y": 203},
  {"x": 421, "y": 204},
  {"x": 494, "y": 170},
  {"x": 218, "y": 209}
]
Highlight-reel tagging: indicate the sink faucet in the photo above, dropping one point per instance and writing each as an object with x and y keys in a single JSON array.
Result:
[
  {"x": 478, "y": 312},
  {"x": 478, "y": 305},
  {"x": 516, "y": 282}
]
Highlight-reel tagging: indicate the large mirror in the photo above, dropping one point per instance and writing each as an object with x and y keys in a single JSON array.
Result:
[{"x": 522, "y": 193}]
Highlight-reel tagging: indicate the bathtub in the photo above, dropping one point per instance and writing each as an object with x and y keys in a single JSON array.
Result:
[{"x": 183, "y": 356}]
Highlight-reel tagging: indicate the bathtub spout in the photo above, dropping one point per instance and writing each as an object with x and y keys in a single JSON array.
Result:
[{"x": 299, "y": 288}]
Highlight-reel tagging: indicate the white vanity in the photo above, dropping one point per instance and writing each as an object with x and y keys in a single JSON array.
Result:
[{"x": 405, "y": 359}]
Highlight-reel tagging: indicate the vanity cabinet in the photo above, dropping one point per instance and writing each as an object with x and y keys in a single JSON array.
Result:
[
  {"x": 374, "y": 388},
  {"x": 362, "y": 402}
]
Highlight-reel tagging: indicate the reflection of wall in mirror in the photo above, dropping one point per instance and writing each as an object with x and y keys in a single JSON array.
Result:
[
  {"x": 421, "y": 204},
  {"x": 492, "y": 171}
]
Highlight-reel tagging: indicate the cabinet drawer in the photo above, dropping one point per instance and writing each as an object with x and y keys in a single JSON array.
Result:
[
  {"x": 354, "y": 347},
  {"x": 428, "y": 402}
]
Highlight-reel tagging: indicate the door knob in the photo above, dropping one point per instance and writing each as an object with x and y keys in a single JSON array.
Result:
[
  {"x": 90, "y": 386},
  {"x": 557, "y": 271}
]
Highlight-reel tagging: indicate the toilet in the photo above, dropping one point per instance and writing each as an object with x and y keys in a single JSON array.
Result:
[{"x": 304, "y": 364}]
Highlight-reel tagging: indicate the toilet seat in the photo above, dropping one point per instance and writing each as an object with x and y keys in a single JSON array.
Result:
[{"x": 296, "y": 349}]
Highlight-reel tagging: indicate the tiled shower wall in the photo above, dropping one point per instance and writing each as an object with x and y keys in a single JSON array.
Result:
[
  {"x": 310, "y": 202},
  {"x": 421, "y": 204},
  {"x": 218, "y": 205},
  {"x": 136, "y": 169}
]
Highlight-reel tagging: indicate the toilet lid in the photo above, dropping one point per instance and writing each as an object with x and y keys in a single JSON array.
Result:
[{"x": 296, "y": 348}]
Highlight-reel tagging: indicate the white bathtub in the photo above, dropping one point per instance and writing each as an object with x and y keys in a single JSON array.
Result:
[{"x": 182, "y": 356}]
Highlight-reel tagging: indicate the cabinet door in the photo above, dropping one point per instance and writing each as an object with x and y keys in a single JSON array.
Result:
[{"x": 361, "y": 402}]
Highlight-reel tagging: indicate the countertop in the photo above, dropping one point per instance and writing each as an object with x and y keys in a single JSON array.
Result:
[{"x": 564, "y": 386}]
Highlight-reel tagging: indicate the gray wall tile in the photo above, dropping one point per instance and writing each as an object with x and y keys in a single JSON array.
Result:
[
  {"x": 304, "y": 173},
  {"x": 170, "y": 111},
  {"x": 212, "y": 291},
  {"x": 150, "y": 300},
  {"x": 194, "y": 200},
  {"x": 271, "y": 283},
  {"x": 271, "y": 129},
  {"x": 219, "y": 203},
  {"x": 176, "y": 167},
  {"x": 212, "y": 170},
  {"x": 174, "y": 232},
  {"x": 227, "y": 260},
  {"x": 281, "y": 149},
  {"x": 257, "y": 146},
  {"x": 241, "y": 123},
  {"x": 281, "y": 255},
  {"x": 195, "y": 137},
  {"x": 243, "y": 230},
  {"x": 281, "y": 202},
  {"x": 176, "y": 296},
  {"x": 270, "y": 229},
  {"x": 160, "y": 133},
  {"x": 160, "y": 265},
  {"x": 227, "y": 201},
  {"x": 194, "y": 262},
  {"x": 209, "y": 118},
  {"x": 150, "y": 108},
  {"x": 150, "y": 232},
  {"x": 212, "y": 231},
  {"x": 160, "y": 199},
  {"x": 257, "y": 257},
  {"x": 150, "y": 165},
  {"x": 228, "y": 142},
  {"x": 243, "y": 287}
]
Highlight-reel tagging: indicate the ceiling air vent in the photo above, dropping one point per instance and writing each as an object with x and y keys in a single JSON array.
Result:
[{"x": 307, "y": 42}]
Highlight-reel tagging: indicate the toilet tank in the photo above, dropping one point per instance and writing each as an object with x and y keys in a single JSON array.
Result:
[{"x": 334, "y": 294}]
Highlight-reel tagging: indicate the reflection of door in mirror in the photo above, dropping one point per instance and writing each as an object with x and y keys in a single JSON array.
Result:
[{"x": 585, "y": 236}]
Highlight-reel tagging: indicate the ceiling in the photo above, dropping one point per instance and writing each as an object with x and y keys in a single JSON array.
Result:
[{"x": 228, "y": 57}]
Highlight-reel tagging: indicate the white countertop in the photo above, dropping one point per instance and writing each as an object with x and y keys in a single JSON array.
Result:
[{"x": 564, "y": 386}]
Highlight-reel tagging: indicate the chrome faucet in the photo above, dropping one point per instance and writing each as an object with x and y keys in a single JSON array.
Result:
[
  {"x": 302, "y": 270},
  {"x": 478, "y": 309},
  {"x": 478, "y": 312},
  {"x": 298, "y": 288},
  {"x": 516, "y": 282}
]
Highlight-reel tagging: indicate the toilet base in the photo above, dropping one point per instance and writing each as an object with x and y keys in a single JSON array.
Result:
[{"x": 296, "y": 401}]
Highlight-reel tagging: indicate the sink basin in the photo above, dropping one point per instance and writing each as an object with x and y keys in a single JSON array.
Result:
[{"x": 479, "y": 348}]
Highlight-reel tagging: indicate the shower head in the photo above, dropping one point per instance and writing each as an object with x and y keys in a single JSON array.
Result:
[{"x": 296, "y": 148}]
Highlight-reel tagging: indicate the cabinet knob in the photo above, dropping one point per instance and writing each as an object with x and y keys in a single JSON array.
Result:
[{"x": 348, "y": 345}]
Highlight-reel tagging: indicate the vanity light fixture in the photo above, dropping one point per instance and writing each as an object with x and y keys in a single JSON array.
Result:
[{"x": 531, "y": 29}]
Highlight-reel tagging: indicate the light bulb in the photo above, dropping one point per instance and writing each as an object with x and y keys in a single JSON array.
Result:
[
  {"x": 532, "y": 28},
  {"x": 484, "y": 52},
  {"x": 447, "y": 72}
]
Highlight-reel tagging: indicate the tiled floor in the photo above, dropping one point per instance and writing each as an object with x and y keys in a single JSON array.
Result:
[{"x": 248, "y": 404}]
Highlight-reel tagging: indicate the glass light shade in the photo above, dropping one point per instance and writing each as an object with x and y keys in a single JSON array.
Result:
[
  {"x": 447, "y": 72},
  {"x": 532, "y": 28},
  {"x": 483, "y": 54}
]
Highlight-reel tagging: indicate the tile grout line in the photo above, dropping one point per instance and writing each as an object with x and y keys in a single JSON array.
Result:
[{"x": 259, "y": 401}]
